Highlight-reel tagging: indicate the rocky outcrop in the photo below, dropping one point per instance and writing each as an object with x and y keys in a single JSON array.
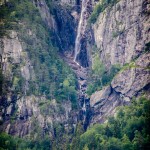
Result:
[
  {"x": 104, "y": 104},
  {"x": 36, "y": 114},
  {"x": 132, "y": 81},
  {"x": 15, "y": 60},
  {"x": 134, "y": 78},
  {"x": 100, "y": 96}
]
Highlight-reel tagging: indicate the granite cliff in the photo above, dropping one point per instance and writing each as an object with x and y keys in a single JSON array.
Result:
[{"x": 121, "y": 34}]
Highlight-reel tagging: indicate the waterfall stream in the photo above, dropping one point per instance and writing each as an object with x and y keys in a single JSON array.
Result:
[
  {"x": 81, "y": 70},
  {"x": 81, "y": 34},
  {"x": 81, "y": 29}
]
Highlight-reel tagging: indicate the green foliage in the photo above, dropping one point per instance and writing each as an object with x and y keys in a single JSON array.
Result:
[
  {"x": 95, "y": 13},
  {"x": 48, "y": 108},
  {"x": 7, "y": 142},
  {"x": 97, "y": 66},
  {"x": 129, "y": 130},
  {"x": 76, "y": 138},
  {"x": 5, "y": 18},
  {"x": 118, "y": 32},
  {"x": 129, "y": 66},
  {"x": 4, "y": 83},
  {"x": 108, "y": 76},
  {"x": 50, "y": 71},
  {"x": 68, "y": 90},
  {"x": 100, "y": 76},
  {"x": 100, "y": 7}
]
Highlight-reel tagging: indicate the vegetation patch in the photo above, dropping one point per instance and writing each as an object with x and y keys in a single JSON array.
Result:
[
  {"x": 99, "y": 8},
  {"x": 100, "y": 76},
  {"x": 129, "y": 130},
  {"x": 117, "y": 33}
]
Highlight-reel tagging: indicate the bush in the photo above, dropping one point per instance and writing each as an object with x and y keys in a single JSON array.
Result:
[{"x": 100, "y": 7}]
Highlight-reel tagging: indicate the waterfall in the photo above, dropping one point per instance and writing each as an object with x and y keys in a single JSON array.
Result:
[
  {"x": 81, "y": 29},
  {"x": 83, "y": 100},
  {"x": 80, "y": 45}
]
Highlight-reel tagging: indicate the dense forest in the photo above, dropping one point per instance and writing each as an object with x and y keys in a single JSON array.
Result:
[{"x": 129, "y": 129}]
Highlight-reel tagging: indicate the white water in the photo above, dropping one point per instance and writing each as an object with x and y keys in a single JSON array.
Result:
[
  {"x": 80, "y": 33},
  {"x": 84, "y": 110},
  {"x": 84, "y": 107},
  {"x": 80, "y": 30}
]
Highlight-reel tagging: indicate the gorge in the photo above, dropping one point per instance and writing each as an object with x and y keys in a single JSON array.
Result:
[{"x": 66, "y": 67}]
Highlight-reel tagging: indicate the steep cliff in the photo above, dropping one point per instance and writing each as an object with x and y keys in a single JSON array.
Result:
[
  {"x": 122, "y": 31},
  {"x": 121, "y": 34}
]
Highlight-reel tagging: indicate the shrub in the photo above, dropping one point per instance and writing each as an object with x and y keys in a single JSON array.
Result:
[{"x": 100, "y": 7}]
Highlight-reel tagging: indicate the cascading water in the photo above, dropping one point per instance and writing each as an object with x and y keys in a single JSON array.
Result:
[
  {"x": 81, "y": 29},
  {"x": 80, "y": 62},
  {"x": 84, "y": 103}
]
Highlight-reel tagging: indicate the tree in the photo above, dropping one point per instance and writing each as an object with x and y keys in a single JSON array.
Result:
[
  {"x": 138, "y": 141},
  {"x": 132, "y": 134},
  {"x": 7, "y": 142},
  {"x": 76, "y": 139},
  {"x": 85, "y": 147},
  {"x": 126, "y": 143}
]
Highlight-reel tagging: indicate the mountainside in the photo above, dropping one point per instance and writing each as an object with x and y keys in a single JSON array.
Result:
[
  {"x": 67, "y": 65},
  {"x": 122, "y": 37}
]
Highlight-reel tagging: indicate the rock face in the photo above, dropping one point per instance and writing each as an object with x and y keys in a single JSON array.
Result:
[
  {"x": 45, "y": 14},
  {"x": 130, "y": 82},
  {"x": 19, "y": 112},
  {"x": 121, "y": 33},
  {"x": 133, "y": 79},
  {"x": 32, "y": 114},
  {"x": 13, "y": 54},
  {"x": 66, "y": 25},
  {"x": 61, "y": 21}
]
